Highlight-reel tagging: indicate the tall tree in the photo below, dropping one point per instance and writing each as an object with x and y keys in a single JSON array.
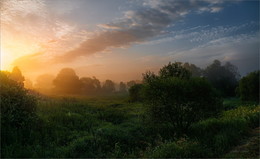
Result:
[
  {"x": 174, "y": 70},
  {"x": 16, "y": 75},
  {"x": 122, "y": 87},
  {"x": 195, "y": 71},
  {"x": 90, "y": 85},
  {"x": 109, "y": 86},
  {"x": 67, "y": 82},
  {"x": 223, "y": 77}
]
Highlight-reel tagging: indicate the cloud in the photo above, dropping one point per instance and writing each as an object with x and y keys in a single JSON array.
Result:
[
  {"x": 137, "y": 26},
  {"x": 203, "y": 34}
]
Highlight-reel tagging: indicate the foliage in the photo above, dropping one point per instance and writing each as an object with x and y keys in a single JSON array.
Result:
[
  {"x": 174, "y": 70},
  {"x": 248, "y": 88},
  {"x": 130, "y": 83},
  {"x": 90, "y": 85},
  {"x": 16, "y": 75},
  {"x": 224, "y": 78},
  {"x": 17, "y": 113},
  {"x": 67, "y": 82},
  {"x": 220, "y": 134},
  {"x": 195, "y": 71},
  {"x": 122, "y": 87},
  {"x": 181, "y": 102},
  {"x": 108, "y": 86},
  {"x": 136, "y": 93}
]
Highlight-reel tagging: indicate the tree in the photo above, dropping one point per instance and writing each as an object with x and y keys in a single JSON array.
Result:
[
  {"x": 109, "y": 86},
  {"x": 195, "y": 71},
  {"x": 248, "y": 88},
  {"x": 90, "y": 85},
  {"x": 174, "y": 70},
  {"x": 136, "y": 93},
  {"x": 176, "y": 99},
  {"x": 130, "y": 83},
  {"x": 16, "y": 75},
  {"x": 67, "y": 82},
  {"x": 223, "y": 78},
  {"x": 122, "y": 87},
  {"x": 180, "y": 102}
]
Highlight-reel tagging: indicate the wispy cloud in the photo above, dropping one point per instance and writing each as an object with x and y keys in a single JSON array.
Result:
[{"x": 137, "y": 26}]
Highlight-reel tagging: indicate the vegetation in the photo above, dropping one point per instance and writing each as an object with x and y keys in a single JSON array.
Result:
[
  {"x": 223, "y": 77},
  {"x": 173, "y": 114},
  {"x": 248, "y": 88}
]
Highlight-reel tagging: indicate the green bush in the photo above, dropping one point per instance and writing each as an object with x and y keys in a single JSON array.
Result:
[
  {"x": 18, "y": 116},
  {"x": 248, "y": 88},
  {"x": 180, "y": 102}
]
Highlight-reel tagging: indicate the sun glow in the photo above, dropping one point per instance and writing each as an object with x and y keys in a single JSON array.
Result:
[{"x": 6, "y": 60}]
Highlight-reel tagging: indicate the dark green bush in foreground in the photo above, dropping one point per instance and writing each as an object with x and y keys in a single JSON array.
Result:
[
  {"x": 17, "y": 114},
  {"x": 248, "y": 88},
  {"x": 180, "y": 102}
]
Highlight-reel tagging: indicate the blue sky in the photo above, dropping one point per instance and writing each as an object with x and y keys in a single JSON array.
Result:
[{"x": 119, "y": 39}]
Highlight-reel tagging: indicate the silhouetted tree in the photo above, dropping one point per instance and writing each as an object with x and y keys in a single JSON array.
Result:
[
  {"x": 67, "y": 82},
  {"x": 149, "y": 76},
  {"x": 16, "y": 75},
  {"x": 174, "y": 70},
  {"x": 248, "y": 88},
  {"x": 122, "y": 87},
  {"x": 130, "y": 83},
  {"x": 176, "y": 99},
  {"x": 224, "y": 78},
  {"x": 90, "y": 85},
  {"x": 108, "y": 86},
  {"x": 195, "y": 71}
]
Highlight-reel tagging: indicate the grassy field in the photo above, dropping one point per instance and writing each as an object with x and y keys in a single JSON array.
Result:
[{"x": 80, "y": 127}]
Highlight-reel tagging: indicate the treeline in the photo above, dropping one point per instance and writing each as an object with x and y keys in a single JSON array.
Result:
[
  {"x": 67, "y": 82},
  {"x": 225, "y": 79}
]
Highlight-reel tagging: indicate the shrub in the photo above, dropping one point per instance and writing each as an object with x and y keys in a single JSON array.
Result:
[
  {"x": 180, "y": 102},
  {"x": 248, "y": 88},
  {"x": 17, "y": 113}
]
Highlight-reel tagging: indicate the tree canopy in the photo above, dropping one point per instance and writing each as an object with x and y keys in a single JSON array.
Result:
[{"x": 67, "y": 82}]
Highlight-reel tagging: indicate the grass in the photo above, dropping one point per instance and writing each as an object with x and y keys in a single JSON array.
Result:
[{"x": 78, "y": 127}]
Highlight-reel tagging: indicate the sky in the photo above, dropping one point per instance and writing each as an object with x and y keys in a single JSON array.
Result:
[{"x": 121, "y": 39}]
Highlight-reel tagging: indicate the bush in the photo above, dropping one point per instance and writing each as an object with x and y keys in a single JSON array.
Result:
[
  {"x": 17, "y": 113},
  {"x": 248, "y": 88},
  {"x": 180, "y": 102}
]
